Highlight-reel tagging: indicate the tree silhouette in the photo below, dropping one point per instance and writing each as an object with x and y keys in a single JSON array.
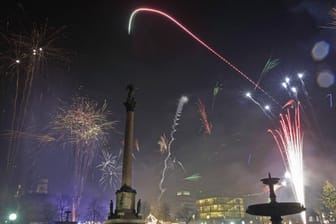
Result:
[{"x": 328, "y": 200}]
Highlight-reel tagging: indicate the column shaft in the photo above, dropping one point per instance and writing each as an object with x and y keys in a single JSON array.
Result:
[{"x": 128, "y": 149}]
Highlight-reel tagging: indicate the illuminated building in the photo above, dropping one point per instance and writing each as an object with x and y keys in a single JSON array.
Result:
[
  {"x": 42, "y": 186},
  {"x": 251, "y": 219},
  {"x": 185, "y": 200},
  {"x": 185, "y": 208},
  {"x": 35, "y": 205},
  {"x": 220, "y": 210}
]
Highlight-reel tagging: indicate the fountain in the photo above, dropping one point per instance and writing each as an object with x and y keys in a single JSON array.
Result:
[{"x": 274, "y": 209}]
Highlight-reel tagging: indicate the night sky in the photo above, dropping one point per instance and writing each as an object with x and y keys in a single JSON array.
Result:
[{"x": 164, "y": 63}]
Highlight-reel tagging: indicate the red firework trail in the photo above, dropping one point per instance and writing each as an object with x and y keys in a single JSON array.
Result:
[
  {"x": 290, "y": 103},
  {"x": 199, "y": 40},
  {"x": 204, "y": 117}
]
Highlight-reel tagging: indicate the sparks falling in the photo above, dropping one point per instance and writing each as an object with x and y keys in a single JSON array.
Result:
[
  {"x": 41, "y": 138},
  {"x": 183, "y": 100},
  {"x": 289, "y": 139},
  {"x": 217, "y": 88},
  {"x": 207, "y": 126},
  {"x": 23, "y": 59},
  {"x": 265, "y": 109},
  {"x": 270, "y": 64},
  {"x": 163, "y": 143}
]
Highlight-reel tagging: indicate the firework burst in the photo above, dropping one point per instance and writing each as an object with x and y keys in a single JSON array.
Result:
[
  {"x": 110, "y": 167},
  {"x": 23, "y": 59},
  {"x": 289, "y": 139},
  {"x": 85, "y": 125},
  {"x": 84, "y": 122}
]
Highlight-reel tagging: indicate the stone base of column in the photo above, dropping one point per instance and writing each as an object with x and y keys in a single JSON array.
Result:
[
  {"x": 124, "y": 221},
  {"x": 125, "y": 208}
]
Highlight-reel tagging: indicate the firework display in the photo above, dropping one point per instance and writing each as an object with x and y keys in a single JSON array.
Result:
[
  {"x": 23, "y": 60},
  {"x": 85, "y": 125},
  {"x": 215, "y": 92},
  {"x": 289, "y": 139},
  {"x": 169, "y": 160},
  {"x": 194, "y": 177},
  {"x": 14, "y": 135},
  {"x": 110, "y": 167},
  {"x": 219, "y": 144},
  {"x": 265, "y": 109},
  {"x": 270, "y": 64},
  {"x": 200, "y": 41},
  {"x": 83, "y": 122},
  {"x": 163, "y": 143},
  {"x": 207, "y": 126}
]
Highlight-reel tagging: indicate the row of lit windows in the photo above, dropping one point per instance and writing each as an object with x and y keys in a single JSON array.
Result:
[
  {"x": 220, "y": 208},
  {"x": 223, "y": 212},
  {"x": 219, "y": 200},
  {"x": 214, "y": 215}
]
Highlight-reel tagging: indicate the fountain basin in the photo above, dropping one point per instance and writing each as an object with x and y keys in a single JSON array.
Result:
[{"x": 275, "y": 209}]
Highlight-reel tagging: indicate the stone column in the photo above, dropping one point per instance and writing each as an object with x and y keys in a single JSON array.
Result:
[
  {"x": 125, "y": 211},
  {"x": 129, "y": 138}
]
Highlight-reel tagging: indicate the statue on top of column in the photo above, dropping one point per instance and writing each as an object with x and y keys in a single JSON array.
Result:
[{"x": 130, "y": 101}]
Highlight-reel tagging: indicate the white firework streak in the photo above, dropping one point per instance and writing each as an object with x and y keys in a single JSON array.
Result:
[
  {"x": 270, "y": 116},
  {"x": 177, "y": 116},
  {"x": 289, "y": 139},
  {"x": 110, "y": 167}
]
